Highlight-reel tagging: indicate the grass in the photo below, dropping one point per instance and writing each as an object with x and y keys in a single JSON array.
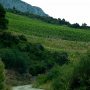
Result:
[{"x": 53, "y": 37}]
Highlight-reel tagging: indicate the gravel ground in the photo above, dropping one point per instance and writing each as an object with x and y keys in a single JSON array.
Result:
[{"x": 25, "y": 87}]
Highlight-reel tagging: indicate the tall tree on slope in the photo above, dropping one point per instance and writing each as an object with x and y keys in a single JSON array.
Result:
[{"x": 3, "y": 20}]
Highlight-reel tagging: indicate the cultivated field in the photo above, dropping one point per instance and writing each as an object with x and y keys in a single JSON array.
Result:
[{"x": 53, "y": 37}]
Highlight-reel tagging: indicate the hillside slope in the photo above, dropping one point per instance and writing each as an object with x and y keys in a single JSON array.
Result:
[{"x": 53, "y": 37}]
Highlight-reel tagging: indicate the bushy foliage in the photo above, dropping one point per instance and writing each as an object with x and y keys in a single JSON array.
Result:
[
  {"x": 22, "y": 37},
  {"x": 3, "y": 20},
  {"x": 42, "y": 60},
  {"x": 53, "y": 73},
  {"x": 64, "y": 79},
  {"x": 74, "y": 77},
  {"x": 49, "y": 76},
  {"x": 20, "y": 55},
  {"x": 14, "y": 59},
  {"x": 60, "y": 58},
  {"x": 81, "y": 75},
  {"x": 32, "y": 58},
  {"x": 2, "y": 76},
  {"x": 75, "y": 25},
  {"x": 8, "y": 39}
]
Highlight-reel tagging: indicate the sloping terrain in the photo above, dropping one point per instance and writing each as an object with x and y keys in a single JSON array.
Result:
[
  {"x": 48, "y": 56},
  {"x": 53, "y": 37},
  {"x": 20, "y": 37}
]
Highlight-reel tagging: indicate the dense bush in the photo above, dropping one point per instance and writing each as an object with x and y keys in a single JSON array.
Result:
[
  {"x": 81, "y": 75},
  {"x": 2, "y": 76},
  {"x": 3, "y": 20},
  {"x": 74, "y": 77},
  {"x": 75, "y": 25},
  {"x": 31, "y": 58},
  {"x": 60, "y": 58},
  {"x": 22, "y": 37},
  {"x": 18, "y": 54},
  {"x": 14, "y": 59},
  {"x": 42, "y": 60},
  {"x": 48, "y": 77},
  {"x": 64, "y": 79},
  {"x": 8, "y": 39},
  {"x": 53, "y": 73}
]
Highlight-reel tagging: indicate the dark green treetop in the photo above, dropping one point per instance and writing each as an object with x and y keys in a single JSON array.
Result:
[{"x": 3, "y": 20}]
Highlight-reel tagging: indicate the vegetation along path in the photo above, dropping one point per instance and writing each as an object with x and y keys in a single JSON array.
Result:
[{"x": 25, "y": 87}]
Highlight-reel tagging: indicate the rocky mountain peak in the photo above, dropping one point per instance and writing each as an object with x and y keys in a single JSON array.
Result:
[{"x": 22, "y": 6}]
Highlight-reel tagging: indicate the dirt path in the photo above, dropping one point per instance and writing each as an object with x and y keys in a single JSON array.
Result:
[{"x": 25, "y": 87}]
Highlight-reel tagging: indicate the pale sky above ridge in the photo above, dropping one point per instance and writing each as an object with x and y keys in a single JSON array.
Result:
[{"x": 72, "y": 10}]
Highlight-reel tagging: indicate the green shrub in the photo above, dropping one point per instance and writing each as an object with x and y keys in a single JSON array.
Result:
[
  {"x": 22, "y": 37},
  {"x": 62, "y": 81},
  {"x": 75, "y": 76},
  {"x": 23, "y": 56},
  {"x": 14, "y": 59},
  {"x": 2, "y": 76},
  {"x": 60, "y": 58},
  {"x": 36, "y": 68},
  {"x": 81, "y": 75},
  {"x": 41, "y": 79},
  {"x": 8, "y": 39},
  {"x": 54, "y": 73}
]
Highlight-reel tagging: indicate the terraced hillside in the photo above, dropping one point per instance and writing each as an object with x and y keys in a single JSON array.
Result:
[{"x": 53, "y": 37}]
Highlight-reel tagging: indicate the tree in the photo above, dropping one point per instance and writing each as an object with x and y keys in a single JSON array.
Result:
[
  {"x": 3, "y": 20},
  {"x": 2, "y": 76},
  {"x": 75, "y": 25},
  {"x": 84, "y": 24}
]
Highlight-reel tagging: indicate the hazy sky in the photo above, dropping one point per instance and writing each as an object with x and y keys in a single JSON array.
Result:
[{"x": 71, "y": 10}]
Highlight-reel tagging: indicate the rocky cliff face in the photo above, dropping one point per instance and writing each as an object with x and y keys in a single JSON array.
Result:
[{"x": 22, "y": 6}]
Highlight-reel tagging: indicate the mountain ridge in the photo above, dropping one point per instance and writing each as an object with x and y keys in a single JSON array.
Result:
[{"x": 22, "y": 6}]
